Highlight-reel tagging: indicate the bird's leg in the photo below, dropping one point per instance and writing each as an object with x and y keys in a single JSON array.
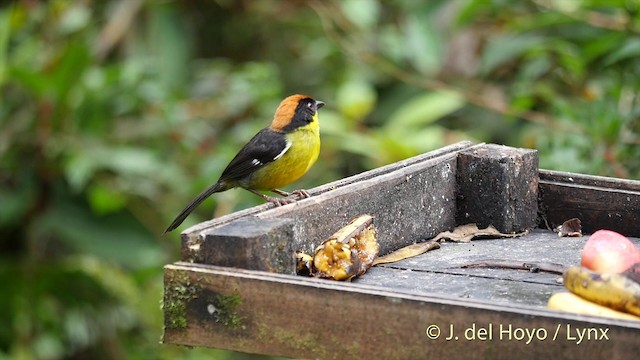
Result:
[
  {"x": 271, "y": 199},
  {"x": 281, "y": 192},
  {"x": 300, "y": 193}
]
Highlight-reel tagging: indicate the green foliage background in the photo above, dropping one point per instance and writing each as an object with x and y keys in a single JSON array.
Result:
[{"x": 114, "y": 114}]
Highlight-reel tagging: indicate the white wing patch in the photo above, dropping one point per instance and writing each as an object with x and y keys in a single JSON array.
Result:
[
  {"x": 256, "y": 162},
  {"x": 283, "y": 151}
]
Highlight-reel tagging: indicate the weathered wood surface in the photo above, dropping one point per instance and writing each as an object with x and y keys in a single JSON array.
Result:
[
  {"x": 599, "y": 202},
  {"x": 277, "y": 314},
  {"x": 498, "y": 185},
  {"x": 440, "y": 271},
  {"x": 251, "y": 243},
  {"x": 409, "y": 202}
]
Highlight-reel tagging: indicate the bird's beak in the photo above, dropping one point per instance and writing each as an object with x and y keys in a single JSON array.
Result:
[{"x": 319, "y": 104}]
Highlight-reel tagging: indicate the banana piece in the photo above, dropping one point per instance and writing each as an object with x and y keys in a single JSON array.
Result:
[
  {"x": 335, "y": 260},
  {"x": 304, "y": 264},
  {"x": 569, "y": 302},
  {"x": 612, "y": 290},
  {"x": 367, "y": 248},
  {"x": 349, "y": 252}
]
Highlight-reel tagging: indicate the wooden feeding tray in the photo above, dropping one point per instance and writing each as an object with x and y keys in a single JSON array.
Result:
[{"x": 235, "y": 286}]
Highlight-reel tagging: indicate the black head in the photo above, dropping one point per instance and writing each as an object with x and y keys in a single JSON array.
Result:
[{"x": 294, "y": 112}]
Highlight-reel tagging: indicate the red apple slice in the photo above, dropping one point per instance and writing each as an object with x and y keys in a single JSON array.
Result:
[{"x": 608, "y": 251}]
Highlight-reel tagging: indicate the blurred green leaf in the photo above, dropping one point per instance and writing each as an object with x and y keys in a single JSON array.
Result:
[
  {"x": 602, "y": 46},
  {"x": 36, "y": 83},
  {"x": 332, "y": 123},
  {"x": 360, "y": 144},
  {"x": 423, "y": 110},
  {"x": 74, "y": 18},
  {"x": 48, "y": 346},
  {"x": 536, "y": 68},
  {"x": 365, "y": 14},
  {"x": 505, "y": 48},
  {"x": 114, "y": 279},
  {"x": 15, "y": 201},
  {"x": 469, "y": 11},
  {"x": 630, "y": 49},
  {"x": 426, "y": 139},
  {"x": 5, "y": 30},
  {"x": 125, "y": 160},
  {"x": 69, "y": 69},
  {"x": 356, "y": 99},
  {"x": 130, "y": 160},
  {"x": 423, "y": 45},
  {"x": 392, "y": 40},
  {"x": 115, "y": 237},
  {"x": 104, "y": 201},
  {"x": 79, "y": 170},
  {"x": 170, "y": 43}
]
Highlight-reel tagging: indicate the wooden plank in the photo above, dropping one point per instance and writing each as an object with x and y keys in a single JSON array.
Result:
[
  {"x": 599, "y": 202},
  {"x": 589, "y": 180},
  {"x": 408, "y": 204},
  {"x": 498, "y": 185},
  {"x": 539, "y": 245},
  {"x": 252, "y": 244},
  {"x": 285, "y": 315},
  {"x": 440, "y": 271},
  {"x": 498, "y": 286}
]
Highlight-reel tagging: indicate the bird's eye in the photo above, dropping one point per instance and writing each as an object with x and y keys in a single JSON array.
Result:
[{"x": 310, "y": 106}]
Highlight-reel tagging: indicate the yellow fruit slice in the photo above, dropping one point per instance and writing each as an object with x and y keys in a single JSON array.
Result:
[{"x": 566, "y": 301}]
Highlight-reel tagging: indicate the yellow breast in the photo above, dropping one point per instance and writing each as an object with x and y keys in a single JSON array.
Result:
[{"x": 303, "y": 153}]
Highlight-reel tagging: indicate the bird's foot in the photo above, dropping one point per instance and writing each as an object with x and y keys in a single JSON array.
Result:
[
  {"x": 278, "y": 201},
  {"x": 299, "y": 194}
]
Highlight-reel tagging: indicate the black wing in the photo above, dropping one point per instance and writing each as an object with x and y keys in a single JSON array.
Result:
[{"x": 265, "y": 147}]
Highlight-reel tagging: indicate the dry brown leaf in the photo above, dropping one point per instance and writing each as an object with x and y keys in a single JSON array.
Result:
[
  {"x": 464, "y": 233},
  {"x": 570, "y": 228},
  {"x": 407, "y": 252}
]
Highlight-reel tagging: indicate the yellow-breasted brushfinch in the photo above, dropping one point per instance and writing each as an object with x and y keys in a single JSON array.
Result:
[{"x": 276, "y": 156}]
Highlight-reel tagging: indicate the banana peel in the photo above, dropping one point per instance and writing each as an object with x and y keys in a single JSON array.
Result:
[
  {"x": 612, "y": 290},
  {"x": 570, "y": 302},
  {"x": 344, "y": 255}
]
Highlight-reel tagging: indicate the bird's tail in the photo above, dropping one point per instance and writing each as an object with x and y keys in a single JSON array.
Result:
[{"x": 217, "y": 187}]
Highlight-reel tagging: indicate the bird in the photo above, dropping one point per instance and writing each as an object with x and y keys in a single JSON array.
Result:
[{"x": 276, "y": 156}]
